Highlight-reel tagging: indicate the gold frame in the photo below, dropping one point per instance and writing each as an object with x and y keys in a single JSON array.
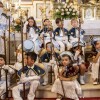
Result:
[
  {"x": 92, "y": 9},
  {"x": 86, "y": 7}
]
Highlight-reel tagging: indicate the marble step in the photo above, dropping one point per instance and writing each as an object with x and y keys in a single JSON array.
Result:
[{"x": 89, "y": 90}]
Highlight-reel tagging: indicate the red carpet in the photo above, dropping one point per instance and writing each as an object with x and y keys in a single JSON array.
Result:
[{"x": 69, "y": 99}]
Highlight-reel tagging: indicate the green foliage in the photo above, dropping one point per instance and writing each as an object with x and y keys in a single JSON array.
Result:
[{"x": 17, "y": 28}]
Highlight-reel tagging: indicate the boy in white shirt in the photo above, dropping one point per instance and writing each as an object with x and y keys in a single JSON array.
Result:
[
  {"x": 3, "y": 69},
  {"x": 29, "y": 75}
]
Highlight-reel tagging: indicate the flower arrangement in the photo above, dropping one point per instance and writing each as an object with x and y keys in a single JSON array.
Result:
[
  {"x": 65, "y": 10},
  {"x": 16, "y": 25}
]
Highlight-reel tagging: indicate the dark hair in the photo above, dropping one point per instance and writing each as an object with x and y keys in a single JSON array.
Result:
[
  {"x": 58, "y": 20},
  {"x": 45, "y": 20},
  {"x": 1, "y": 3},
  {"x": 34, "y": 25},
  {"x": 73, "y": 52},
  {"x": 65, "y": 55},
  {"x": 2, "y": 56},
  {"x": 32, "y": 55},
  {"x": 93, "y": 46},
  {"x": 47, "y": 44}
]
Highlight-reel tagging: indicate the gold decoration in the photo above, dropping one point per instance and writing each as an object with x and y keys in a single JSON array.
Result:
[
  {"x": 42, "y": 52},
  {"x": 45, "y": 59},
  {"x": 56, "y": 33}
]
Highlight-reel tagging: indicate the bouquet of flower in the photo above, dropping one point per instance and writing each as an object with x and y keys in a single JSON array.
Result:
[
  {"x": 64, "y": 11},
  {"x": 17, "y": 25}
]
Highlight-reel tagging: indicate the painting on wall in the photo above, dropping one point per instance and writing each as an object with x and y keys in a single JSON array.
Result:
[{"x": 89, "y": 13}]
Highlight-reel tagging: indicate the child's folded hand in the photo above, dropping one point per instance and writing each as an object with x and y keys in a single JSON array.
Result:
[
  {"x": 60, "y": 77},
  {"x": 52, "y": 61},
  {"x": 30, "y": 78},
  {"x": 64, "y": 38},
  {"x": 6, "y": 67},
  {"x": 76, "y": 54},
  {"x": 23, "y": 75}
]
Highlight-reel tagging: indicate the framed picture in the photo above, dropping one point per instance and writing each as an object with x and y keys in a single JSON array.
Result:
[
  {"x": 88, "y": 12},
  {"x": 38, "y": 11},
  {"x": 38, "y": 5}
]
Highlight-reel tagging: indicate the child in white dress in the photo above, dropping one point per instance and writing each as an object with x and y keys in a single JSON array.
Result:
[
  {"x": 96, "y": 60},
  {"x": 67, "y": 84}
]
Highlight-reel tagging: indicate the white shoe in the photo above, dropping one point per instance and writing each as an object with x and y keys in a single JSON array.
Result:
[
  {"x": 95, "y": 83},
  {"x": 58, "y": 99},
  {"x": 82, "y": 82}
]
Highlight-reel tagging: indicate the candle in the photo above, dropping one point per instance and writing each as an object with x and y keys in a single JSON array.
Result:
[
  {"x": 19, "y": 2},
  {"x": 7, "y": 5}
]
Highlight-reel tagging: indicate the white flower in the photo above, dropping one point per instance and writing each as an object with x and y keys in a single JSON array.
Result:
[
  {"x": 62, "y": 9},
  {"x": 62, "y": 13},
  {"x": 63, "y": 2},
  {"x": 59, "y": 7},
  {"x": 64, "y": 6},
  {"x": 66, "y": 9},
  {"x": 68, "y": 13},
  {"x": 57, "y": 10},
  {"x": 70, "y": 9},
  {"x": 71, "y": 4},
  {"x": 77, "y": 13},
  {"x": 73, "y": 14},
  {"x": 74, "y": 10},
  {"x": 68, "y": 6}
]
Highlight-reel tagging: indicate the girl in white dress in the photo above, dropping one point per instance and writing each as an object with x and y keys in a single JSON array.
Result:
[
  {"x": 67, "y": 84},
  {"x": 32, "y": 33},
  {"x": 79, "y": 59},
  {"x": 96, "y": 60}
]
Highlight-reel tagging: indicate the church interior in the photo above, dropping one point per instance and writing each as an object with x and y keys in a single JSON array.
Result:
[{"x": 49, "y": 49}]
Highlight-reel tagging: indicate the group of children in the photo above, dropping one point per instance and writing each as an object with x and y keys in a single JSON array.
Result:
[{"x": 59, "y": 51}]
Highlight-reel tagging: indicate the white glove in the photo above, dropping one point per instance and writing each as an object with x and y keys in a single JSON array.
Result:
[
  {"x": 19, "y": 57},
  {"x": 64, "y": 38},
  {"x": 52, "y": 61},
  {"x": 30, "y": 78},
  {"x": 6, "y": 67},
  {"x": 23, "y": 75},
  {"x": 76, "y": 54}
]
